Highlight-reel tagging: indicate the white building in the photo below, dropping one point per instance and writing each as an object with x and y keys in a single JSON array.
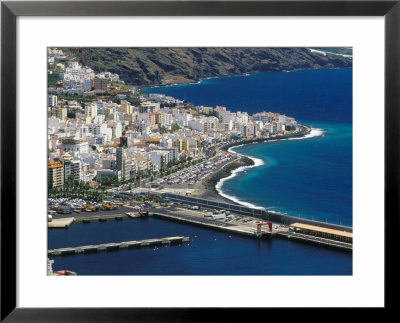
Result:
[
  {"x": 52, "y": 101},
  {"x": 74, "y": 146},
  {"x": 91, "y": 111},
  {"x": 160, "y": 158},
  {"x": 149, "y": 107}
]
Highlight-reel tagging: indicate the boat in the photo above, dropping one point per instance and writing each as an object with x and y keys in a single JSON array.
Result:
[{"x": 51, "y": 272}]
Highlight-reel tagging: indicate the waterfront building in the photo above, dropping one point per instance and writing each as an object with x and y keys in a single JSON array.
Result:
[
  {"x": 110, "y": 173},
  {"x": 220, "y": 110},
  {"x": 120, "y": 157},
  {"x": 266, "y": 117},
  {"x": 160, "y": 158},
  {"x": 68, "y": 166},
  {"x": 157, "y": 97},
  {"x": 205, "y": 110},
  {"x": 76, "y": 170},
  {"x": 173, "y": 152},
  {"x": 290, "y": 123},
  {"x": 271, "y": 128},
  {"x": 126, "y": 170},
  {"x": 280, "y": 127},
  {"x": 52, "y": 101},
  {"x": 55, "y": 173}
]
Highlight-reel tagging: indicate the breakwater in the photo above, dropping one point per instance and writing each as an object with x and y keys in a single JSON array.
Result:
[
  {"x": 302, "y": 131},
  {"x": 118, "y": 246},
  {"x": 262, "y": 214},
  {"x": 226, "y": 171}
]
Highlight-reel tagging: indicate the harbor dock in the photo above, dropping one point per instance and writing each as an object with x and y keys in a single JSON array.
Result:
[
  {"x": 177, "y": 216},
  {"x": 119, "y": 246},
  {"x": 241, "y": 221},
  {"x": 60, "y": 223},
  {"x": 250, "y": 226},
  {"x": 101, "y": 218}
]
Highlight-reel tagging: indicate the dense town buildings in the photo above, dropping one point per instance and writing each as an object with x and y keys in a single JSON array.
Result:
[{"x": 97, "y": 138}]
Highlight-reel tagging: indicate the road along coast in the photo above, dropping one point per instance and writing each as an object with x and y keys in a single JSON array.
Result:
[{"x": 211, "y": 188}]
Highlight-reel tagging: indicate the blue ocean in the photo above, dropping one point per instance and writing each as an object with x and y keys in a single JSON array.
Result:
[
  {"x": 309, "y": 177},
  {"x": 209, "y": 252}
]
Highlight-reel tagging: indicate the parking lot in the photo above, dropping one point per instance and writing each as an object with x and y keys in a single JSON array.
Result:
[
  {"x": 121, "y": 210},
  {"x": 194, "y": 174},
  {"x": 235, "y": 221}
]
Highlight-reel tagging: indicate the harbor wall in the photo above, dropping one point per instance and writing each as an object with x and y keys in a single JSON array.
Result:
[{"x": 262, "y": 214}]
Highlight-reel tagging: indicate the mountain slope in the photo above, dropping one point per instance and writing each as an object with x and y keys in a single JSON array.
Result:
[{"x": 154, "y": 66}]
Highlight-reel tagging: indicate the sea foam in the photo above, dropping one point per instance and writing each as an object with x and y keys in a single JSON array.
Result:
[
  {"x": 315, "y": 132},
  {"x": 218, "y": 187}
]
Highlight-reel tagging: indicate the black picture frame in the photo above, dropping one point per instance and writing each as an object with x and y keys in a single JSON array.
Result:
[{"x": 10, "y": 10}]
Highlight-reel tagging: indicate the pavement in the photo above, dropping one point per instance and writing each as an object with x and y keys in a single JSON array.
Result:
[
  {"x": 121, "y": 210},
  {"x": 237, "y": 224}
]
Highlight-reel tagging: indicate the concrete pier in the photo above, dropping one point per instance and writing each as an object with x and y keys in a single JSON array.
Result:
[
  {"x": 118, "y": 245},
  {"x": 100, "y": 217},
  {"x": 247, "y": 229},
  {"x": 60, "y": 223}
]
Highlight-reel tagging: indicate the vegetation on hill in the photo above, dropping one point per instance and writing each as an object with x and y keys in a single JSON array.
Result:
[{"x": 160, "y": 66}]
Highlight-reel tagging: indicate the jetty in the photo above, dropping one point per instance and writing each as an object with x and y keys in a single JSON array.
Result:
[
  {"x": 60, "y": 223},
  {"x": 114, "y": 246}
]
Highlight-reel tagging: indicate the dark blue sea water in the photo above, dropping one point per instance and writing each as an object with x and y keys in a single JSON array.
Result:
[
  {"x": 309, "y": 177},
  {"x": 307, "y": 95},
  {"x": 209, "y": 253}
]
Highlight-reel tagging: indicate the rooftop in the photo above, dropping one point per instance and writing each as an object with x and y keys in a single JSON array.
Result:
[{"x": 321, "y": 229}]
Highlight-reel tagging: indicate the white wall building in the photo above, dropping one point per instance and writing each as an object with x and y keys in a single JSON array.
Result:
[
  {"x": 52, "y": 101},
  {"x": 74, "y": 146}
]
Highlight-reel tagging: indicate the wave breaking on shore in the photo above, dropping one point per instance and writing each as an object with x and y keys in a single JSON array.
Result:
[
  {"x": 315, "y": 132},
  {"x": 257, "y": 162}
]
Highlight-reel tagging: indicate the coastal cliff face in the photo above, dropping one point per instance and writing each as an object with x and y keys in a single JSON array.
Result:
[{"x": 161, "y": 66}]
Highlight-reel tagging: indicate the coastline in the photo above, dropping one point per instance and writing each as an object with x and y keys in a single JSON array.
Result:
[
  {"x": 200, "y": 80},
  {"x": 212, "y": 190},
  {"x": 192, "y": 82}
]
